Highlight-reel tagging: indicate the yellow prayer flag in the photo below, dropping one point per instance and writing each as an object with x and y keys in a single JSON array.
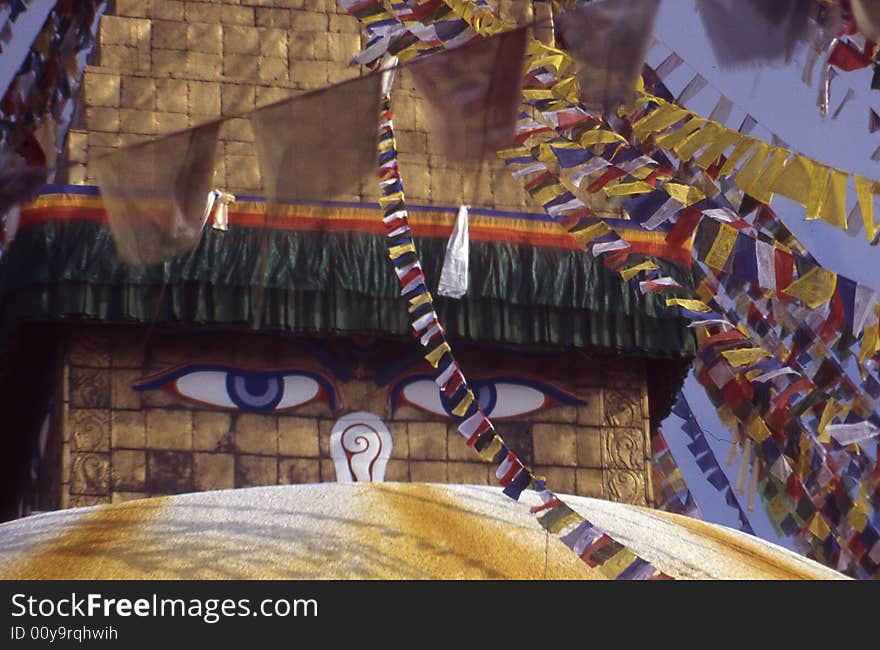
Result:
[
  {"x": 814, "y": 288},
  {"x": 433, "y": 357},
  {"x": 684, "y": 194},
  {"x": 722, "y": 247},
  {"x": 742, "y": 147},
  {"x": 600, "y": 136},
  {"x": 616, "y": 564},
  {"x": 819, "y": 527},
  {"x": 489, "y": 452},
  {"x": 833, "y": 409},
  {"x": 628, "y": 274},
  {"x": 794, "y": 180},
  {"x": 832, "y": 207},
  {"x": 865, "y": 195},
  {"x": 744, "y": 357},
  {"x": 750, "y": 171},
  {"x": 761, "y": 187},
  {"x": 692, "y": 305},
  {"x": 664, "y": 116},
  {"x": 462, "y": 407},
  {"x": 757, "y": 429},
  {"x": 818, "y": 186},
  {"x": 671, "y": 139},
  {"x": 627, "y": 189}
]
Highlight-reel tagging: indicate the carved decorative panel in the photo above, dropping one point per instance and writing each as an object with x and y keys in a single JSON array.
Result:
[
  {"x": 91, "y": 474},
  {"x": 624, "y": 448},
  {"x": 625, "y": 486}
]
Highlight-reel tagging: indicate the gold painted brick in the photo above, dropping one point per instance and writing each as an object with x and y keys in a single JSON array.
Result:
[
  {"x": 203, "y": 12},
  {"x": 270, "y": 94},
  {"x": 299, "y": 470},
  {"x": 102, "y": 119},
  {"x": 589, "y": 447},
  {"x": 171, "y": 122},
  {"x": 555, "y": 444},
  {"x": 212, "y": 431},
  {"x": 238, "y": 129},
  {"x": 343, "y": 24},
  {"x": 328, "y": 470},
  {"x": 247, "y": 149},
  {"x": 132, "y": 8},
  {"x": 273, "y": 43},
  {"x": 128, "y": 429},
  {"x": 169, "y": 429},
  {"x": 255, "y": 470},
  {"x": 411, "y": 143},
  {"x": 273, "y": 17},
  {"x": 100, "y": 89},
  {"x": 132, "y": 120},
  {"x": 456, "y": 446},
  {"x": 128, "y": 470},
  {"x": 447, "y": 186},
  {"x": 343, "y": 47},
  {"x": 396, "y": 471},
  {"x": 272, "y": 69},
  {"x": 138, "y": 92},
  {"x": 256, "y": 434},
  {"x": 204, "y": 98},
  {"x": 468, "y": 473},
  {"x": 122, "y": 395},
  {"x": 399, "y": 439},
  {"x": 309, "y": 75},
  {"x": 240, "y": 39},
  {"x": 77, "y": 174},
  {"x": 202, "y": 64},
  {"x": 234, "y": 15},
  {"x": 308, "y": 46},
  {"x": 561, "y": 480},
  {"x": 337, "y": 72},
  {"x": 122, "y": 497},
  {"x": 236, "y": 99},
  {"x": 213, "y": 471},
  {"x": 89, "y": 429},
  {"x": 166, "y": 10},
  {"x": 119, "y": 57},
  {"x": 589, "y": 483},
  {"x": 171, "y": 95},
  {"x": 592, "y": 412},
  {"x": 324, "y": 428},
  {"x": 309, "y": 21},
  {"x": 89, "y": 349},
  {"x": 243, "y": 173},
  {"x": 83, "y": 501},
  {"x": 427, "y": 440},
  {"x": 101, "y": 139},
  {"x": 169, "y": 35},
  {"x": 243, "y": 66},
  {"x": 166, "y": 62},
  {"x": 427, "y": 472},
  {"x": 115, "y": 31},
  {"x": 297, "y": 436},
  {"x": 203, "y": 37}
]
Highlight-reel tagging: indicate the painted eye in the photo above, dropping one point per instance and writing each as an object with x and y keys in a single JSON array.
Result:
[
  {"x": 499, "y": 397},
  {"x": 241, "y": 389}
]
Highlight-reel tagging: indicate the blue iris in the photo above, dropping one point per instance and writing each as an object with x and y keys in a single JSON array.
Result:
[{"x": 251, "y": 391}]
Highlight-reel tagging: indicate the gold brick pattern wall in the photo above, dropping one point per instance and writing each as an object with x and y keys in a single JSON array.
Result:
[
  {"x": 165, "y": 65},
  {"x": 119, "y": 444}
]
